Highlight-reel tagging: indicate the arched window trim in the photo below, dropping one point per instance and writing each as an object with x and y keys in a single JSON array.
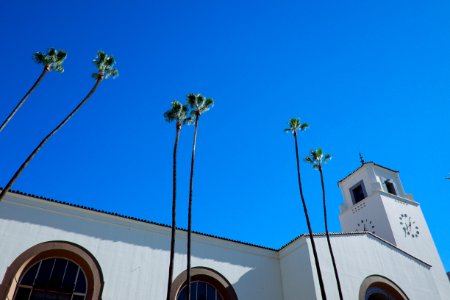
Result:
[
  {"x": 61, "y": 249},
  {"x": 383, "y": 283},
  {"x": 208, "y": 275}
]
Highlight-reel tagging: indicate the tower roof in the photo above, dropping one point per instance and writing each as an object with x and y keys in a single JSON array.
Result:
[{"x": 364, "y": 164}]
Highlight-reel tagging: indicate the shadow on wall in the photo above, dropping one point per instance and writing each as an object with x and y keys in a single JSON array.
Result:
[
  {"x": 49, "y": 222},
  {"x": 257, "y": 284}
]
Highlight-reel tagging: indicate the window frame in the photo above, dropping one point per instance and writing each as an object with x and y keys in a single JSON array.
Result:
[
  {"x": 382, "y": 283},
  {"x": 356, "y": 185},
  {"x": 207, "y": 275},
  {"x": 390, "y": 187},
  {"x": 61, "y": 249}
]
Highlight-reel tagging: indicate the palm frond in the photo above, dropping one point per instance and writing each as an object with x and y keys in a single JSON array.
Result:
[
  {"x": 39, "y": 58},
  {"x": 319, "y": 153},
  {"x": 105, "y": 65},
  {"x": 189, "y": 120},
  {"x": 51, "y": 52},
  {"x": 177, "y": 112},
  {"x": 169, "y": 116},
  {"x": 198, "y": 104},
  {"x": 209, "y": 102},
  {"x": 316, "y": 158},
  {"x": 52, "y": 60},
  {"x": 61, "y": 55},
  {"x": 58, "y": 68},
  {"x": 190, "y": 99},
  {"x": 295, "y": 125},
  {"x": 309, "y": 160}
]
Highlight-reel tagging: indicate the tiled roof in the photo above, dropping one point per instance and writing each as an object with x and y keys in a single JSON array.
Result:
[
  {"x": 214, "y": 236},
  {"x": 366, "y": 163}
]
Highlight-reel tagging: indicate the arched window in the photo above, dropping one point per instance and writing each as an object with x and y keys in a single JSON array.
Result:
[
  {"x": 206, "y": 284},
  {"x": 200, "y": 290},
  {"x": 377, "y": 287},
  {"x": 52, "y": 278},
  {"x": 53, "y": 270}
]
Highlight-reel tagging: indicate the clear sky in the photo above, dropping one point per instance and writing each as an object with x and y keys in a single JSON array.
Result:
[{"x": 369, "y": 76}]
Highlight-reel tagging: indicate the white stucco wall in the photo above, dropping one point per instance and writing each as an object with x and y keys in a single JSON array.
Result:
[
  {"x": 134, "y": 256},
  {"x": 423, "y": 245},
  {"x": 357, "y": 257},
  {"x": 297, "y": 273},
  {"x": 385, "y": 211}
]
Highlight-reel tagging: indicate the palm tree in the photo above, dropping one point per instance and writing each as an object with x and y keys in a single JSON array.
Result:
[
  {"x": 294, "y": 126},
  {"x": 177, "y": 113},
  {"x": 52, "y": 61},
  {"x": 105, "y": 64},
  {"x": 198, "y": 105},
  {"x": 317, "y": 159}
]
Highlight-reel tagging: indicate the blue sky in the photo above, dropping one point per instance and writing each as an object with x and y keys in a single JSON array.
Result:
[{"x": 368, "y": 77}]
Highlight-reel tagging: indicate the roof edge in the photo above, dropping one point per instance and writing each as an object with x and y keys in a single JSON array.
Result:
[
  {"x": 367, "y": 163},
  {"x": 91, "y": 209},
  {"x": 215, "y": 236},
  {"x": 366, "y": 233}
]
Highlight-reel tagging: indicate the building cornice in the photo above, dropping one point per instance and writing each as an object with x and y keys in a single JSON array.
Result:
[{"x": 285, "y": 246}]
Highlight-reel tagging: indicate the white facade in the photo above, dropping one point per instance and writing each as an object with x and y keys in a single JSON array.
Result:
[
  {"x": 133, "y": 255},
  {"x": 392, "y": 215}
]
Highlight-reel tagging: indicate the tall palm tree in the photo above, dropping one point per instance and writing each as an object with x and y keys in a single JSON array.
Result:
[
  {"x": 294, "y": 126},
  {"x": 105, "y": 69},
  {"x": 52, "y": 61},
  {"x": 198, "y": 105},
  {"x": 317, "y": 159},
  {"x": 178, "y": 113}
]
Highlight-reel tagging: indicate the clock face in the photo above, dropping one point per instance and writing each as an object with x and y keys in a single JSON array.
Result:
[
  {"x": 365, "y": 225},
  {"x": 409, "y": 226}
]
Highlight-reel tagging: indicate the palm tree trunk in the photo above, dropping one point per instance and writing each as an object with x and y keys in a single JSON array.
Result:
[
  {"x": 36, "y": 150},
  {"x": 338, "y": 282},
  {"x": 191, "y": 184},
  {"x": 316, "y": 259},
  {"x": 22, "y": 101},
  {"x": 174, "y": 210}
]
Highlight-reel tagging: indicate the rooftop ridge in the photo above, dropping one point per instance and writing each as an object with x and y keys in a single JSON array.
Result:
[
  {"x": 366, "y": 163},
  {"x": 136, "y": 219},
  {"x": 215, "y": 236},
  {"x": 367, "y": 233}
]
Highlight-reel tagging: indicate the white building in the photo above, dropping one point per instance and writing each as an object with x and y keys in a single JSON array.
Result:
[{"x": 54, "y": 250}]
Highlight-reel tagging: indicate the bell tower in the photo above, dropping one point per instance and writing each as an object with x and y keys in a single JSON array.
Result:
[{"x": 375, "y": 201}]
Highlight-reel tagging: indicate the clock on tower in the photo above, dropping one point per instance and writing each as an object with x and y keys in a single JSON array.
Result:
[{"x": 374, "y": 198}]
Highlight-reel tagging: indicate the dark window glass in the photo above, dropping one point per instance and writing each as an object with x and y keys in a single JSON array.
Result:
[
  {"x": 29, "y": 277},
  {"x": 211, "y": 292},
  {"x": 375, "y": 293},
  {"x": 200, "y": 290},
  {"x": 358, "y": 193},
  {"x": 68, "y": 283},
  {"x": 390, "y": 188},
  {"x": 57, "y": 274},
  {"x": 44, "y": 295},
  {"x": 52, "y": 279},
  {"x": 80, "y": 287},
  {"x": 23, "y": 294},
  {"x": 45, "y": 270}
]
